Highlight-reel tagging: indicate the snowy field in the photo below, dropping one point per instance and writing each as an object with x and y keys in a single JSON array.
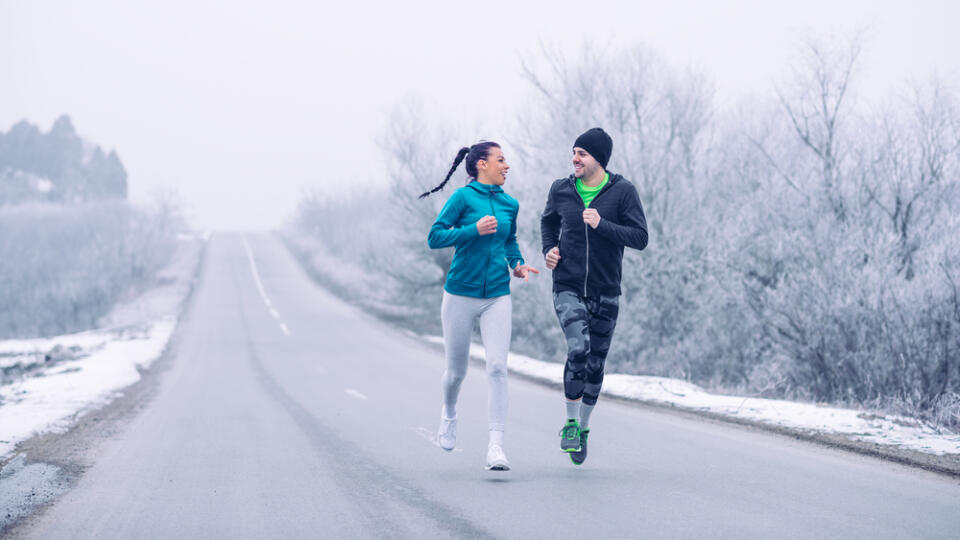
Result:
[
  {"x": 45, "y": 384},
  {"x": 857, "y": 425}
]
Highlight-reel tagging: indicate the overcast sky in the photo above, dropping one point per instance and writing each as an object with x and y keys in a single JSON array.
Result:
[{"x": 239, "y": 106}]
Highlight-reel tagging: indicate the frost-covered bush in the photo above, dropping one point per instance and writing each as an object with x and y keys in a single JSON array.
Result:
[
  {"x": 63, "y": 267},
  {"x": 801, "y": 246}
]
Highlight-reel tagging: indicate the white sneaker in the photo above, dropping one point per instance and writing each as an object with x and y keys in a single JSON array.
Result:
[
  {"x": 496, "y": 460},
  {"x": 447, "y": 434}
]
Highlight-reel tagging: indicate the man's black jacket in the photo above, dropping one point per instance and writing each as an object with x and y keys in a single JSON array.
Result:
[{"x": 591, "y": 259}]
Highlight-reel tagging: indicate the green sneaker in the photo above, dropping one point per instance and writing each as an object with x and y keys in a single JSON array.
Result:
[
  {"x": 570, "y": 436},
  {"x": 580, "y": 455}
]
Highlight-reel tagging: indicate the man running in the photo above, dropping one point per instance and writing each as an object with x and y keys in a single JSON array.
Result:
[{"x": 589, "y": 217}]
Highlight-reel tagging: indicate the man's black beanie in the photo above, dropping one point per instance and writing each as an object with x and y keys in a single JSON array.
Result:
[{"x": 597, "y": 143}]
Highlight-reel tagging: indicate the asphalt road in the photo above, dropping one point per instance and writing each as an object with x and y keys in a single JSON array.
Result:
[{"x": 286, "y": 413}]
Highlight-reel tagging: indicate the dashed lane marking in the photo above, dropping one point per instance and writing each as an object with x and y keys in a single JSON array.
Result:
[
  {"x": 263, "y": 293},
  {"x": 353, "y": 393}
]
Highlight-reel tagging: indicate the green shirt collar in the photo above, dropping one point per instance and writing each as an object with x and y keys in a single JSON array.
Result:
[{"x": 583, "y": 187}]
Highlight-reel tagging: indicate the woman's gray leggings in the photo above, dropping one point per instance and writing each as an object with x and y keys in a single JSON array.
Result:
[{"x": 458, "y": 314}]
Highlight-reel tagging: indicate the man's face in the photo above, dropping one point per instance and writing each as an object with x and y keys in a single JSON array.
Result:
[{"x": 584, "y": 165}]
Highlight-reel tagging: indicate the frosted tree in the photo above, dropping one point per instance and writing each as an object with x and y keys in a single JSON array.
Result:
[{"x": 658, "y": 118}]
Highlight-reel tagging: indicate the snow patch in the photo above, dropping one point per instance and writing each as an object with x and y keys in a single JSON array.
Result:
[
  {"x": 52, "y": 399},
  {"x": 61, "y": 378},
  {"x": 864, "y": 426}
]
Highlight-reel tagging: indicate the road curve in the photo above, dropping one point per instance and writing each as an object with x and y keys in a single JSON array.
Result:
[{"x": 286, "y": 413}]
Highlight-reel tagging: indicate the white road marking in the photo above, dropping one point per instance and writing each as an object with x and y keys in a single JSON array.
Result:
[
  {"x": 263, "y": 293},
  {"x": 256, "y": 275},
  {"x": 353, "y": 393},
  {"x": 431, "y": 437}
]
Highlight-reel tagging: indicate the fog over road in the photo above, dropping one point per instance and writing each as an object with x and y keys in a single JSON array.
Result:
[{"x": 286, "y": 413}]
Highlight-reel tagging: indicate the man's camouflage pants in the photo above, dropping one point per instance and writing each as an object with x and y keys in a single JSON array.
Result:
[{"x": 587, "y": 324}]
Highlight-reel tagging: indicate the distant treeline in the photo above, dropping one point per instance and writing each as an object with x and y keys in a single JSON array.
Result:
[
  {"x": 71, "y": 246},
  {"x": 802, "y": 244},
  {"x": 57, "y": 166}
]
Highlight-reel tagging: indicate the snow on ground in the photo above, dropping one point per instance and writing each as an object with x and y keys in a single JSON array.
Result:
[
  {"x": 48, "y": 383},
  {"x": 50, "y": 400},
  {"x": 858, "y": 425}
]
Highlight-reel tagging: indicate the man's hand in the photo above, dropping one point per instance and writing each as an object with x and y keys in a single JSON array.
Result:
[
  {"x": 553, "y": 257},
  {"x": 591, "y": 217},
  {"x": 487, "y": 225},
  {"x": 523, "y": 270}
]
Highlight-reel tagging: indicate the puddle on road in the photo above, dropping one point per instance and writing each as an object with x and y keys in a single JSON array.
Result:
[{"x": 23, "y": 488}]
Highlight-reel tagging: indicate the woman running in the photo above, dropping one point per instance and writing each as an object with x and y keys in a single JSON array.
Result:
[{"x": 480, "y": 222}]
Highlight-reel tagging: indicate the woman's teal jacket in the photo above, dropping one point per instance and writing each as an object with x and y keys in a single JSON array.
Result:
[{"x": 481, "y": 264}]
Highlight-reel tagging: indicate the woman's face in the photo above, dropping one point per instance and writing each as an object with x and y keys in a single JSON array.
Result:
[{"x": 493, "y": 169}]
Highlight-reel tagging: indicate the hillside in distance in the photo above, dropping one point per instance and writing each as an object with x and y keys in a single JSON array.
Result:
[{"x": 58, "y": 166}]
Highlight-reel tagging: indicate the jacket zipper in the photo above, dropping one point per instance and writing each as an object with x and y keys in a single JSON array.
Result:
[
  {"x": 586, "y": 234},
  {"x": 486, "y": 268}
]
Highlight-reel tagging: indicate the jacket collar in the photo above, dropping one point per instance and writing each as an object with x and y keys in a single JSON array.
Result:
[
  {"x": 614, "y": 178},
  {"x": 485, "y": 188}
]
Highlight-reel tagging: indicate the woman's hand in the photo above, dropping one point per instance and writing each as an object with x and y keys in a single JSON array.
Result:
[
  {"x": 487, "y": 225},
  {"x": 523, "y": 270}
]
